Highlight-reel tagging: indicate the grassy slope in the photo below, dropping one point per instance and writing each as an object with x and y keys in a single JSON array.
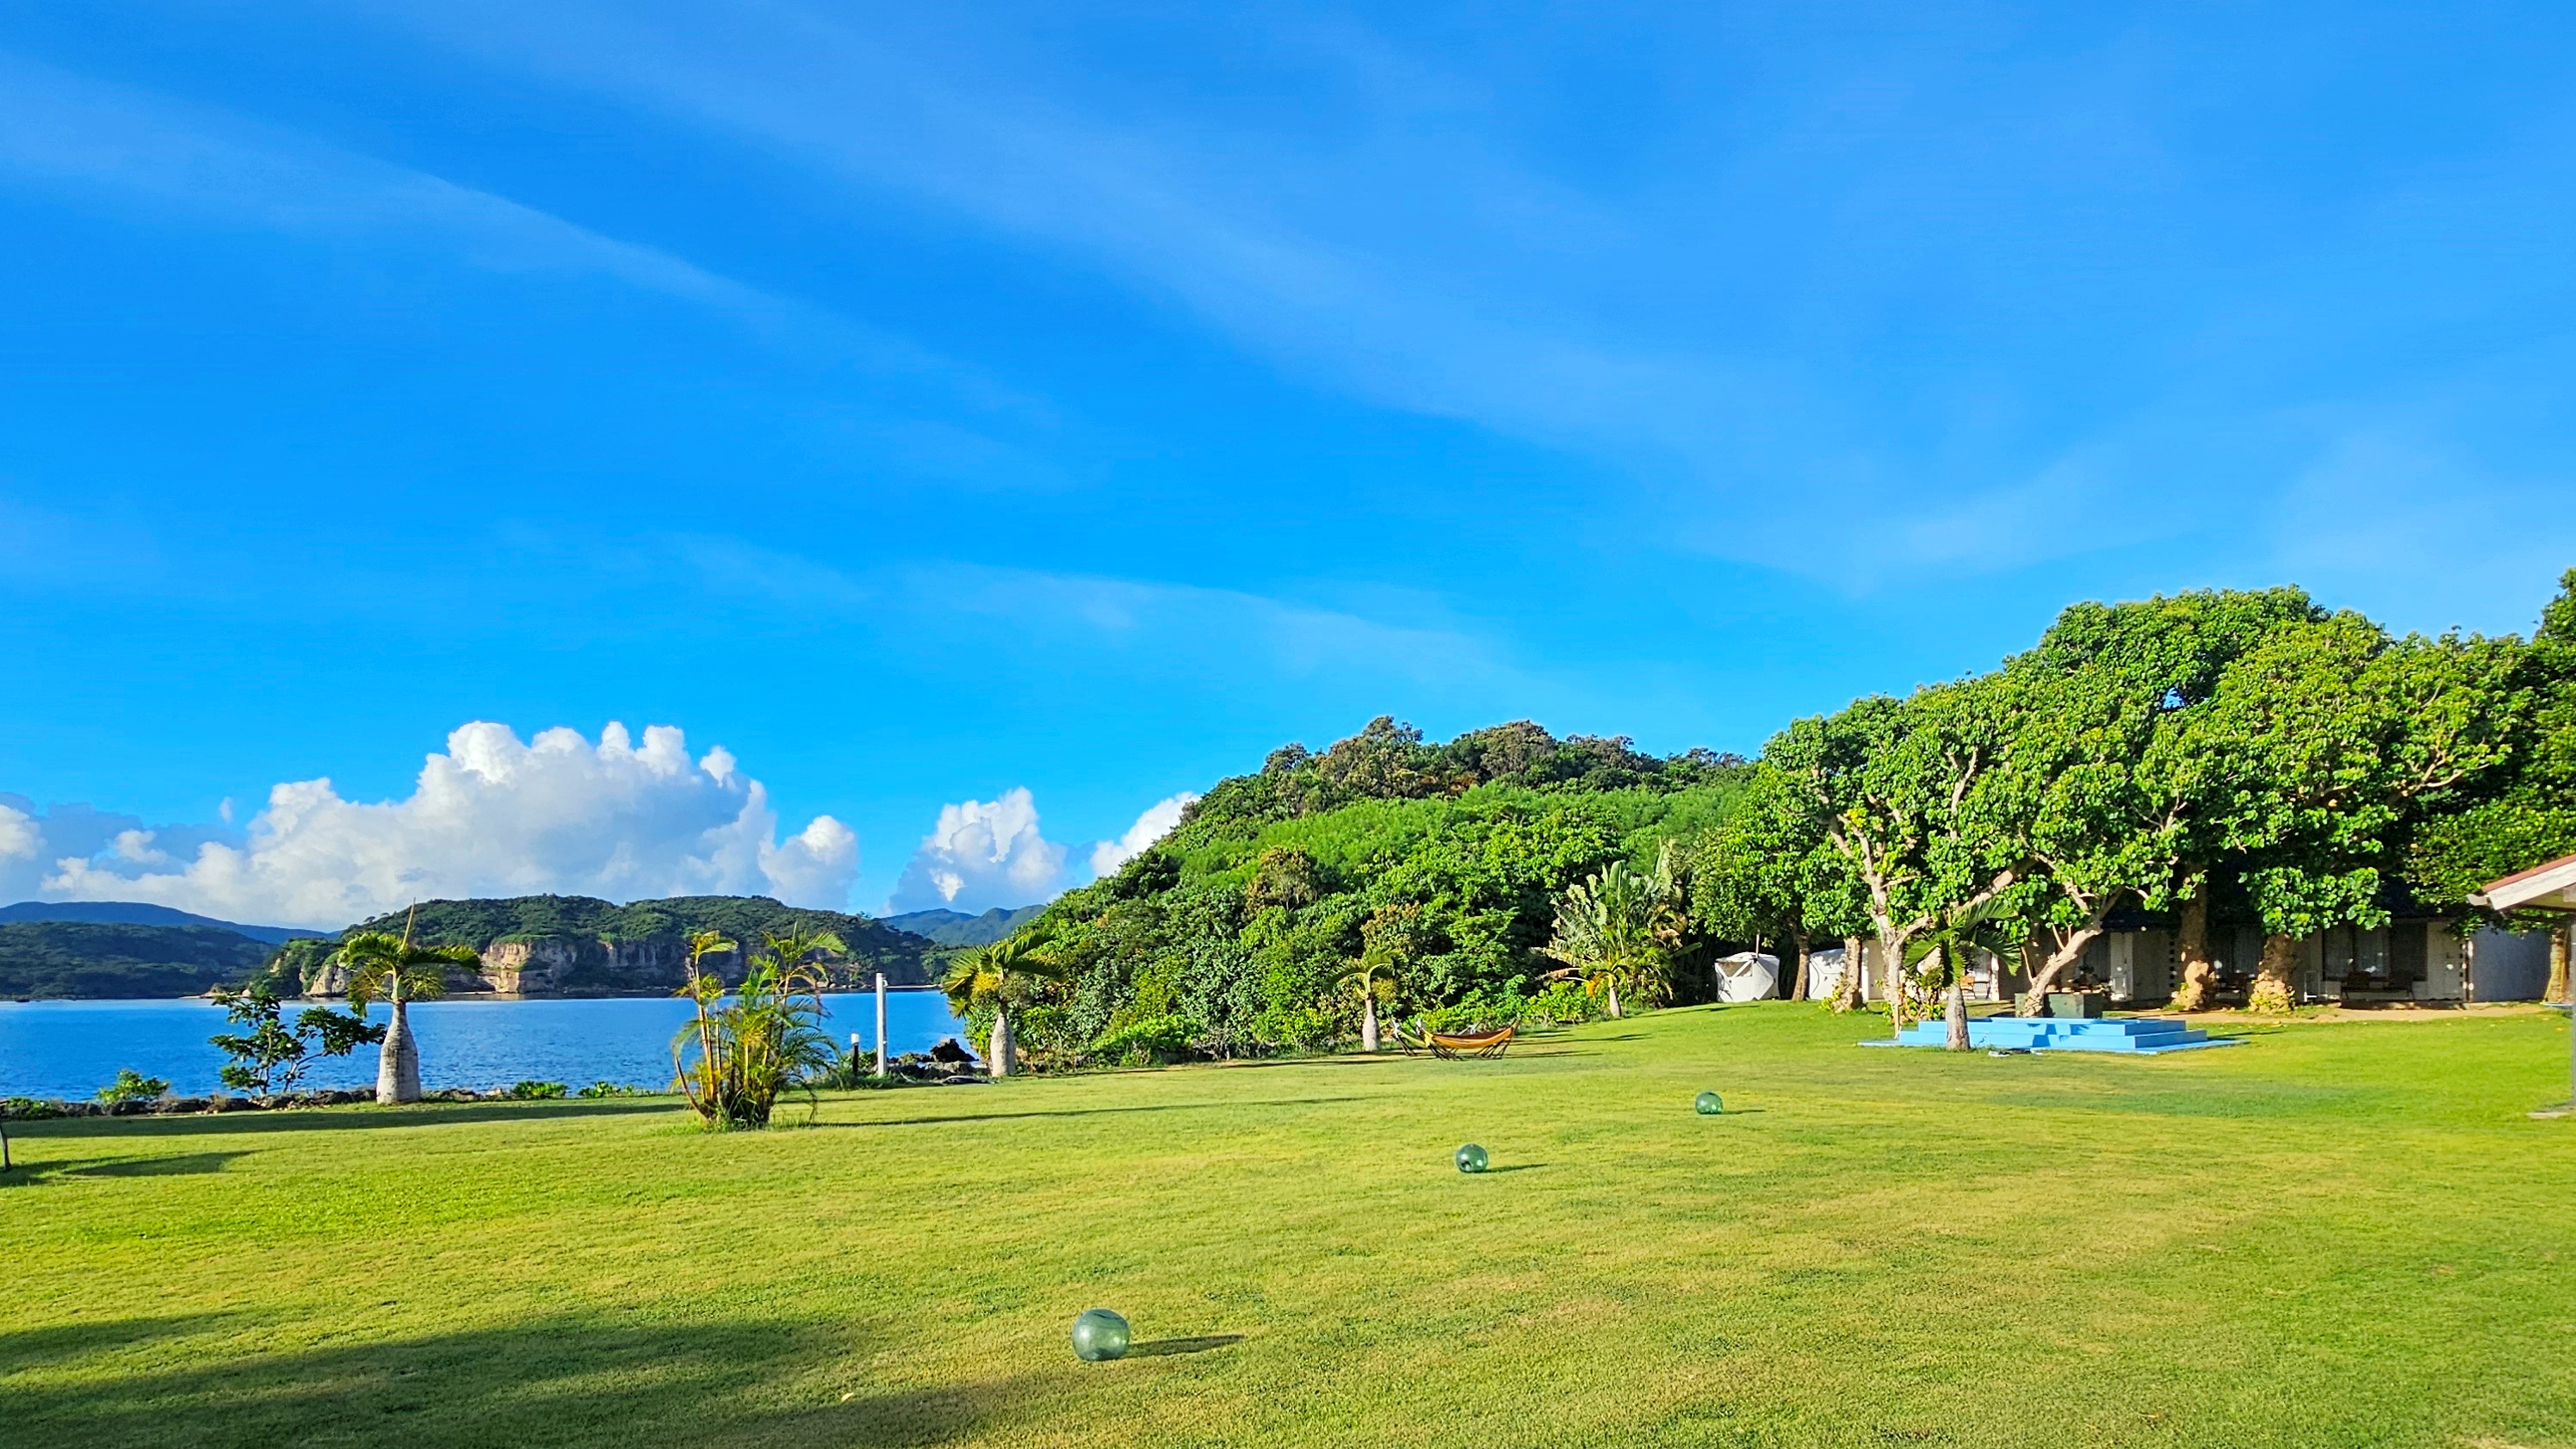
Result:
[{"x": 2341, "y": 1235}]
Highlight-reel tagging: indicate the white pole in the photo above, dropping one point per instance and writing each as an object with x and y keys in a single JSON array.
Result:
[{"x": 883, "y": 1055}]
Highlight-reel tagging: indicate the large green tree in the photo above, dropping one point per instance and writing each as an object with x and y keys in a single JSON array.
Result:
[
  {"x": 1911, "y": 796},
  {"x": 1769, "y": 873},
  {"x": 2331, "y": 739}
]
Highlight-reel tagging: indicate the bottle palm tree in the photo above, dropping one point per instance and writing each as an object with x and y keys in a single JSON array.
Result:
[
  {"x": 998, "y": 974},
  {"x": 1367, "y": 976},
  {"x": 384, "y": 966},
  {"x": 1956, "y": 941}
]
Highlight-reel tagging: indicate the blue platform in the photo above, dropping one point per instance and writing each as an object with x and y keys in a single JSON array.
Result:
[{"x": 2134, "y": 1035}]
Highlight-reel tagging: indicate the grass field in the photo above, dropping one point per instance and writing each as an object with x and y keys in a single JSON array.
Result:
[{"x": 2339, "y": 1235}]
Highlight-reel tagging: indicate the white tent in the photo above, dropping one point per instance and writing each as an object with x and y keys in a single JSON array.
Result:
[{"x": 1747, "y": 976}]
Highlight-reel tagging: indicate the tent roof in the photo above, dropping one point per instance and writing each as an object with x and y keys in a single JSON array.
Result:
[{"x": 2547, "y": 886}]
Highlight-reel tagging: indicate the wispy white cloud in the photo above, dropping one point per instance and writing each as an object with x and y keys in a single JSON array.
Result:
[{"x": 127, "y": 147}]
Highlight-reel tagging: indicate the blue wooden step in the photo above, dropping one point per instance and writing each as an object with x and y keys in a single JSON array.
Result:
[{"x": 2136, "y": 1035}]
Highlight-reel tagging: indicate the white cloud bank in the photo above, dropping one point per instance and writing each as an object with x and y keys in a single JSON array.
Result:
[
  {"x": 1153, "y": 825},
  {"x": 984, "y": 854},
  {"x": 493, "y": 816}
]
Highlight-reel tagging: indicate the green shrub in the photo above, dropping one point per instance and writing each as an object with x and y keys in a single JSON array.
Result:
[
  {"x": 28, "y": 1109},
  {"x": 597, "y": 1090},
  {"x": 1150, "y": 1042},
  {"x": 132, "y": 1086},
  {"x": 539, "y": 1091}
]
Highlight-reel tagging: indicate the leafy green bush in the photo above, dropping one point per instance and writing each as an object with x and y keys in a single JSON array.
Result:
[
  {"x": 28, "y": 1109},
  {"x": 1151, "y": 1042},
  {"x": 132, "y": 1086},
  {"x": 539, "y": 1091},
  {"x": 597, "y": 1090}
]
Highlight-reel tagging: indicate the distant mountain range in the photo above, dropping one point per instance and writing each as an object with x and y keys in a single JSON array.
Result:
[
  {"x": 136, "y": 913},
  {"x": 956, "y": 928},
  {"x": 537, "y": 945}
]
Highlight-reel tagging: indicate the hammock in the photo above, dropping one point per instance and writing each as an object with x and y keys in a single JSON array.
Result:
[{"x": 1451, "y": 1048}]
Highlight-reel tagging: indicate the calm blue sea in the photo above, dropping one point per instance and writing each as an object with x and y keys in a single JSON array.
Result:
[{"x": 70, "y": 1049}]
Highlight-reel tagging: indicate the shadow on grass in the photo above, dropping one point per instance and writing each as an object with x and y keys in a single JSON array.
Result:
[
  {"x": 1166, "y": 1347},
  {"x": 329, "y": 1119},
  {"x": 565, "y": 1381},
  {"x": 1514, "y": 1167},
  {"x": 176, "y": 1165},
  {"x": 1083, "y": 1112}
]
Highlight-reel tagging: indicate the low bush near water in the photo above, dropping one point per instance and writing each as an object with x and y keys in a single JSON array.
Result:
[{"x": 539, "y": 1091}]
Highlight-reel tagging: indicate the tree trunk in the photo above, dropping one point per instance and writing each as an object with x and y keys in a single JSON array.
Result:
[
  {"x": 2069, "y": 950},
  {"x": 398, "y": 1061},
  {"x": 2557, "y": 988},
  {"x": 1368, "y": 1023},
  {"x": 1954, "y": 1011},
  {"x": 2191, "y": 952},
  {"x": 1798, "y": 980},
  {"x": 2274, "y": 991},
  {"x": 1614, "y": 998},
  {"x": 1852, "y": 992},
  {"x": 999, "y": 1045},
  {"x": 1891, "y": 966}
]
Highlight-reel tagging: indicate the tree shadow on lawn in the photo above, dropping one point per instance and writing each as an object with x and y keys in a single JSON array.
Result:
[
  {"x": 1082, "y": 1112},
  {"x": 565, "y": 1381},
  {"x": 329, "y": 1119},
  {"x": 26, "y": 1174}
]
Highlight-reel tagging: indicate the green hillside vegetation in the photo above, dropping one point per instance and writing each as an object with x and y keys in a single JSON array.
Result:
[
  {"x": 2339, "y": 1234},
  {"x": 90, "y": 959},
  {"x": 591, "y": 927},
  {"x": 1229, "y": 934}
]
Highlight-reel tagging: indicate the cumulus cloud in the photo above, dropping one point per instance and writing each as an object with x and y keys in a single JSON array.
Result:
[
  {"x": 1153, "y": 825},
  {"x": 493, "y": 816},
  {"x": 981, "y": 855}
]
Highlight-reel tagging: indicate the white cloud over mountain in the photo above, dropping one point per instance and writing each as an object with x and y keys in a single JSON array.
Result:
[
  {"x": 492, "y": 816},
  {"x": 1153, "y": 825},
  {"x": 984, "y": 854}
]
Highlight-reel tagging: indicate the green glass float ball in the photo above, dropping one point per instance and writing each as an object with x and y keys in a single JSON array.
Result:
[
  {"x": 1471, "y": 1158},
  {"x": 1099, "y": 1334},
  {"x": 1708, "y": 1105}
]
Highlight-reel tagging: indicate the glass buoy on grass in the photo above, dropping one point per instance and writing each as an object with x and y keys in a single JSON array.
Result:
[
  {"x": 1099, "y": 1334},
  {"x": 1471, "y": 1158},
  {"x": 1707, "y": 1104}
]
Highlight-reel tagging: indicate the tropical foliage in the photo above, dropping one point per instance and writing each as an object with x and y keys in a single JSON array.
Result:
[{"x": 744, "y": 1049}]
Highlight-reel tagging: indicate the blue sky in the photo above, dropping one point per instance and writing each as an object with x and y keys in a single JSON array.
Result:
[{"x": 928, "y": 403}]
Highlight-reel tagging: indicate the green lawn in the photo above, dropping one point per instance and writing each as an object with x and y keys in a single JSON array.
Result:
[{"x": 2339, "y": 1235}]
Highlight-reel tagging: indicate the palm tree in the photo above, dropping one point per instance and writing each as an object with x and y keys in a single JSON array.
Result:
[
  {"x": 997, "y": 974},
  {"x": 759, "y": 1039},
  {"x": 1956, "y": 941},
  {"x": 1615, "y": 927},
  {"x": 1368, "y": 975},
  {"x": 387, "y": 967}
]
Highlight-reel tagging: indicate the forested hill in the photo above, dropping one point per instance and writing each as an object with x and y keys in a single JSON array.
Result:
[
  {"x": 956, "y": 928},
  {"x": 95, "y": 959},
  {"x": 1233, "y": 929},
  {"x": 580, "y": 944}
]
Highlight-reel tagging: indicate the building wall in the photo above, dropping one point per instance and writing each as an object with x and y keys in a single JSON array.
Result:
[{"x": 2508, "y": 965}]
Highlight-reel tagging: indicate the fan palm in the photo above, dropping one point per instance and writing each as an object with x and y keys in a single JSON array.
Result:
[
  {"x": 389, "y": 968},
  {"x": 998, "y": 975}
]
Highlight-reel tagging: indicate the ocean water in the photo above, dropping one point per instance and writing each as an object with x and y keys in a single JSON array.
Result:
[{"x": 70, "y": 1049}]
